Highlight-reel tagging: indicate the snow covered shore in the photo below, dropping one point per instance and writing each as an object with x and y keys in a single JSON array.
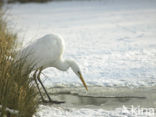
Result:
[
  {"x": 114, "y": 41},
  {"x": 51, "y": 111}
]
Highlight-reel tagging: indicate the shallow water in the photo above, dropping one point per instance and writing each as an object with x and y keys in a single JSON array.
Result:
[
  {"x": 97, "y": 101},
  {"x": 105, "y": 97}
]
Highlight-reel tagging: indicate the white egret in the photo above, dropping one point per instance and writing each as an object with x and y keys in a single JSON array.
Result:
[{"x": 47, "y": 51}]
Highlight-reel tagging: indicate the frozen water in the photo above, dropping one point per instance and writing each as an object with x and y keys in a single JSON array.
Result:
[{"x": 114, "y": 41}]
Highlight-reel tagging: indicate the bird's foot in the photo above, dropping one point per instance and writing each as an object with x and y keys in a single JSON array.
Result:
[
  {"x": 52, "y": 102},
  {"x": 45, "y": 101},
  {"x": 56, "y": 102}
]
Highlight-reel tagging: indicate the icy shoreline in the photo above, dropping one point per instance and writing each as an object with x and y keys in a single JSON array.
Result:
[
  {"x": 114, "y": 102},
  {"x": 51, "y": 111},
  {"x": 113, "y": 42}
]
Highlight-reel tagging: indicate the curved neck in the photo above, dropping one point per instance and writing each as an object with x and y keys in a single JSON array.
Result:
[{"x": 62, "y": 65}]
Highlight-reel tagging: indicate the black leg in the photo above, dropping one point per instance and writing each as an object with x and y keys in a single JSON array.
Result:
[
  {"x": 50, "y": 100},
  {"x": 38, "y": 86},
  {"x": 43, "y": 85}
]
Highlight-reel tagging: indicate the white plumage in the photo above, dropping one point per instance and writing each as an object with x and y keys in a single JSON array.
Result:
[
  {"x": 48, "y": 52},
  {"x": 45, "y": 51}
]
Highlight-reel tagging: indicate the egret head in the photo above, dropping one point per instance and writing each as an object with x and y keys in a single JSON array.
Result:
[{"x": 75, "y": 68}]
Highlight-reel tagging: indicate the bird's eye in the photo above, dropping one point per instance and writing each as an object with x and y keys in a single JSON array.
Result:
[{"x": 79, "y": 72}]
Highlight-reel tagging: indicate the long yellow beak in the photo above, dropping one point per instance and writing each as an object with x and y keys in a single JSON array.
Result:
[{"x": 83, "y": 82}]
